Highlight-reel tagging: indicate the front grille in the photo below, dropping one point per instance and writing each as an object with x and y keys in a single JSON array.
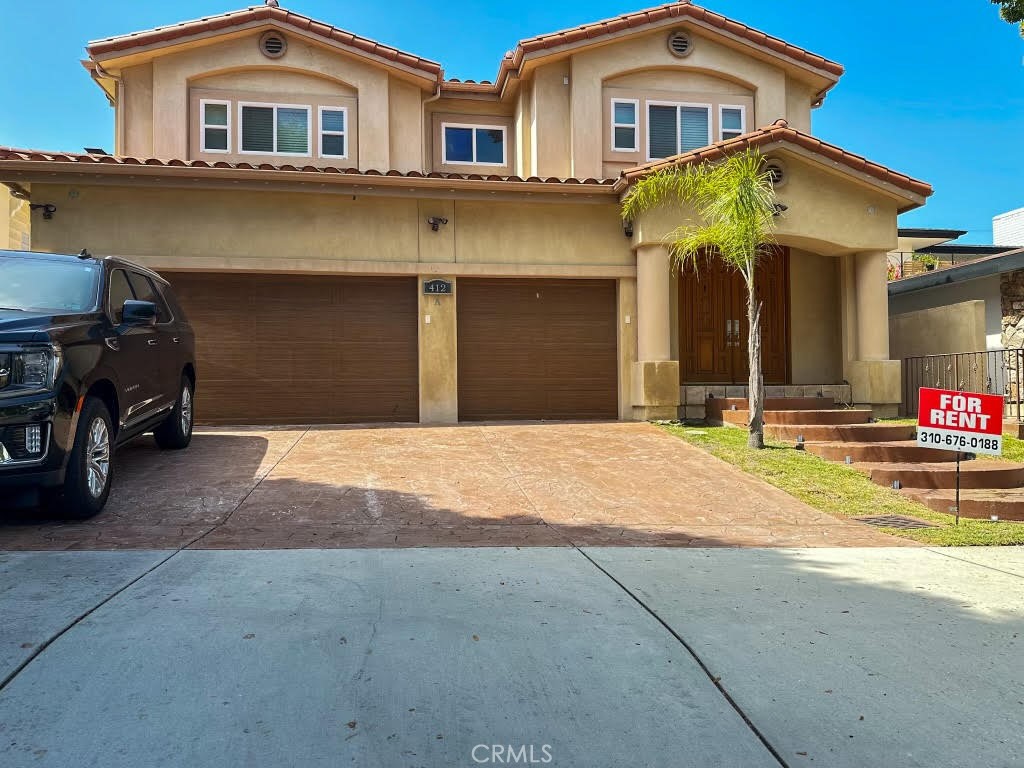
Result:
[{"x": 13, "y": 439}]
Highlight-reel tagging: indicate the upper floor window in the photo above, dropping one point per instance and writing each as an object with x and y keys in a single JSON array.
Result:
[
  {"x": 215, "y": 130},
  {"x": 676, "y": 128},
  {"x": 733, "y": 121},
  {"x": 275, "y": 129},
  {"x": 625, "y": 125},
  {"x": 473, "y": 144},
  {"x": 334, "y": 132}
]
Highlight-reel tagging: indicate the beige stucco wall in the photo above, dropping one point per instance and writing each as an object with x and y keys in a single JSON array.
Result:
[
  {"x": 16, "y": 230},
  {"x": 289, "y": 231},
  {"x": 815, "y": 331},
  {"x": 591, "y": 68},
  {"x": 166, "y": 111},
  {"x": 438, "y": 348},
  {"x": 940, "y": 330}
]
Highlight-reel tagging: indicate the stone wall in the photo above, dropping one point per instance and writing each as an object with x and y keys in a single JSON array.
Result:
[{"x": 1011, "y": 289}]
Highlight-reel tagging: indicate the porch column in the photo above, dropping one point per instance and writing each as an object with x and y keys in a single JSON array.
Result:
[
  {"x": 873, "y": 377},
  {"x": 872, "y": 279},
  {"x": 655, "y": 375}
]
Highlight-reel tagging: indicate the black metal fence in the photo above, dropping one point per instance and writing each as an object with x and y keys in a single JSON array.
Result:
[{"x": 995, "y": 372}]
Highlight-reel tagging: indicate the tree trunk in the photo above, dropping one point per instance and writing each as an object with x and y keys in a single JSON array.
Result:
[{"x": 756, "y": 382}]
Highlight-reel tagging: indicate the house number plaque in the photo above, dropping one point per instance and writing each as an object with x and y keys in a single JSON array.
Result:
[{"x": 437, "y": 288}]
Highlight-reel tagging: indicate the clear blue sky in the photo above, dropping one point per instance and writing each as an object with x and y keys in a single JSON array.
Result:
[{"x": 934, "y": 89}]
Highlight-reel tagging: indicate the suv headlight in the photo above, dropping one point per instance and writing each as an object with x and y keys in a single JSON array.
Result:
[{"x": 30, "y": 369}]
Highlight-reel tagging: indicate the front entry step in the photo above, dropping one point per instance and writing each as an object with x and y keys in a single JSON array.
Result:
[
  {"x": 942, "y": 475},
  {"x": 802, "y": 418},
  {"x": 1004, "y": 503},
  {"x": 894, "y": 451},
  {"x": 834, "y": 433}
]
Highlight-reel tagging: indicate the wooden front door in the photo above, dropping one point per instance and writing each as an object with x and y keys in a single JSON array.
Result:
[{"x": 713, "y": 325}]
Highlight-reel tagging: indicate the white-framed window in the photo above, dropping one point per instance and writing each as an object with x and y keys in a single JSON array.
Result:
[
  {"x": 732, "y": 120},
  {"x": 465, "y": 144},
  {"x": 275, "y": 129},
  {"x": 674, "y": 128},
  {"x": 334, "y": 132},
  {"x": 215, "y": 126},
  {"x": 625, "y": 125}
]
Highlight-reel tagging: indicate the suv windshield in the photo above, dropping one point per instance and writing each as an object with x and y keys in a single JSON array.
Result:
[{"x": 33, "y": 285}]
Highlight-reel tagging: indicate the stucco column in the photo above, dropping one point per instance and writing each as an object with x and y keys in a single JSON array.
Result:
[
  {"x": 654, "y": 342},
  {"x": 438, "y": 351},
  {"x": 655, "y": 383},
  {"x": 871, "y": 280}
]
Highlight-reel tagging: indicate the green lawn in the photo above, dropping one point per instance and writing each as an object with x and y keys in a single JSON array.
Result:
[{"x": 844, "y": 492}]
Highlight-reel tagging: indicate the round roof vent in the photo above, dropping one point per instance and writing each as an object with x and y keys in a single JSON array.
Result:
[
  {"x": 777, "y": 172},
  {"x": 680, "y": 44},
  {"x": 273, "y": 45}
]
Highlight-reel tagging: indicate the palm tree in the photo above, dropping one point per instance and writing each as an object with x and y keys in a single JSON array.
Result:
[{"x": 736, "y": 201}]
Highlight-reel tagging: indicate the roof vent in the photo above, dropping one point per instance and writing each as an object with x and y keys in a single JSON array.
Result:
[
  {"x": 273, "y": 45},
  {"x": 679, "y": 44}
]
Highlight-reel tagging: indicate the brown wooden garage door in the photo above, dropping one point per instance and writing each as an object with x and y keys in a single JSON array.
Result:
[
  {"x": 276, "y": 349},
  {"x": 537, "y": 349}
]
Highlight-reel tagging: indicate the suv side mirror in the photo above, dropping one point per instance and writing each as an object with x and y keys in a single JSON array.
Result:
[{"x": 139, "y": 313}]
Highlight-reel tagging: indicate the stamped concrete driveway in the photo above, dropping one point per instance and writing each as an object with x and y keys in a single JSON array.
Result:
[{"x": 550, "y": 484}]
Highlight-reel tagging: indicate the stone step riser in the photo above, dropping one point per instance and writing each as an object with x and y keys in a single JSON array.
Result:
[
  {"x": 867, "y": 453},
  {"x": 773, "y": 403},
  {"x": 975, "y": 509},
  {"x": 863, "y": 433},
  {"x": 801, "y": 418},
  {"x": 933, "y": 479}
]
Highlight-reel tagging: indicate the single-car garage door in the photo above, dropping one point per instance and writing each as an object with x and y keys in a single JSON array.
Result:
[
  {"x": 537, "y": 349},
  {"x": 278, "y": 349}
]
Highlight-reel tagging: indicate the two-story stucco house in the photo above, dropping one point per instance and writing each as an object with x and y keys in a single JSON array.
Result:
[{"x": 357, "y": 238}]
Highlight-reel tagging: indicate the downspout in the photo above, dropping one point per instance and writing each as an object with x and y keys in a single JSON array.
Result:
[
  {"x": 118, "y": 108},
  {"x": 423, "y": 124}
]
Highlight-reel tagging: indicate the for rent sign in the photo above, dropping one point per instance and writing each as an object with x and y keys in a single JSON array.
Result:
[{"x": 960, "y": 421}]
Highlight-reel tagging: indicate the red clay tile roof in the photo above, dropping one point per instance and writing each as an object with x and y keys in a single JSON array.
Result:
[
  {"x": 257, "y": 14},
  {"x": 776, "y": 132},
  {"x": 13, "y": 155}
]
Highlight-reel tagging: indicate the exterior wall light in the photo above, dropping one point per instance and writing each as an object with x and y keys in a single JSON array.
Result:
[
  {"x": 48, "y": 209},
  {"x": 780, "y": 208},
  {"x": 436, "y": 222},
  {"x": 627, "y": 227}
]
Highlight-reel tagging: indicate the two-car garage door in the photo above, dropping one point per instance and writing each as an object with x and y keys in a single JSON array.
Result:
[{"x": 282, "y": 349}]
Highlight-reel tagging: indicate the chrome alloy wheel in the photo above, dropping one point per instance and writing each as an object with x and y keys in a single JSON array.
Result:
[
  {"x": 186, "y": 410},
  {"x": 97, "y": 457}
]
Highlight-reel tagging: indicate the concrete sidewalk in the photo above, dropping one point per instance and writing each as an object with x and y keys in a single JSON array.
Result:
[{"x": 391, "y": 658}]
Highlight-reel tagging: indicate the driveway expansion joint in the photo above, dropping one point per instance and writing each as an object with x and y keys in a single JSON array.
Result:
[{"x": 715, "y": 680}]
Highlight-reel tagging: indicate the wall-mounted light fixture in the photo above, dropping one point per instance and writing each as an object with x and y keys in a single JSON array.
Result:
[
  {"x": 780, "y": 208},
  {"x": 436, "y": 222},
  {"x": 627, "y": 227},
  {"x": 48, "y": 209}
]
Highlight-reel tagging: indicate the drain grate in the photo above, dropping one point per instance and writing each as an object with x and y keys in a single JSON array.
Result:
[{"x": 895, "y": 521}]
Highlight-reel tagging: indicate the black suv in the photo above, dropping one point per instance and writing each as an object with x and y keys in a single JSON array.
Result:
[{"x": 93, "y": 352}]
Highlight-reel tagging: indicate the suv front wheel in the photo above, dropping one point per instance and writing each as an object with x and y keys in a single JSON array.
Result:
[
  {"x": 90, "y": 466},
  {"x": 176, "y": 431}
]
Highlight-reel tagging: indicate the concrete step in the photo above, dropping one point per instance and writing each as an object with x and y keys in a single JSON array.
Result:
[
  {"x": 974, "y": 475},
  {"x": 820, "y": 417},
  {"x": 1007, "y": 503},
  {"x": 829, "y": 433},
  {"x": 883, "y": 452},
  {"x": 774, "y": 403}
]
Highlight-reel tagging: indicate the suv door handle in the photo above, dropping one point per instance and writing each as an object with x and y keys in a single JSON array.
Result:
[{"x": 152, "y": 342}]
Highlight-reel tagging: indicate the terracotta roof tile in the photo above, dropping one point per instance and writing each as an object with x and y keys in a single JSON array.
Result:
[
  {"x": 174, "y": 32},
  {"x": 776, "y": 132},
  {"x": 12, "y": 155}
]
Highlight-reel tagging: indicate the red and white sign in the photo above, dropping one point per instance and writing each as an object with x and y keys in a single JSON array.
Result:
[{"x": 960, "y": 421}]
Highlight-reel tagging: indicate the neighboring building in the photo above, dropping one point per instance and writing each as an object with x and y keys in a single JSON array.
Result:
[
  {"x": 924, "y": 250},
  {"x": 1008, "y": 228},
  {"x": 302, "y": 186}
]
